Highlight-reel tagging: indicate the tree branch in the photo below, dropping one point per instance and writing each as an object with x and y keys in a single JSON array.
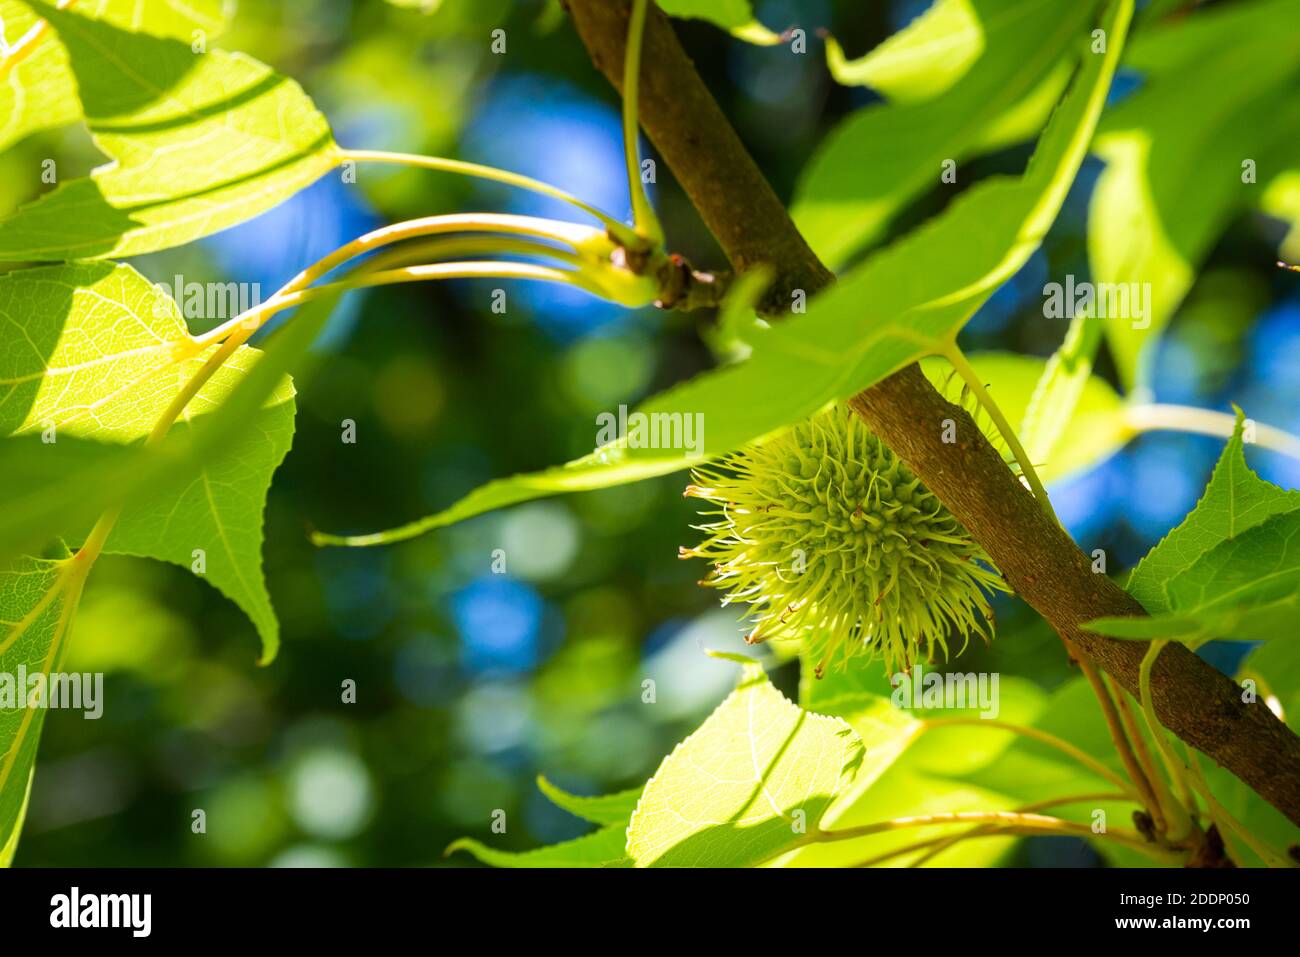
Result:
[{"x": 1038, "y": 558}]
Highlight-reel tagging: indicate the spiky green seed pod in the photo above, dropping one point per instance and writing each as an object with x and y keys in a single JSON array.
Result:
[{"x": 830, "y": 538}]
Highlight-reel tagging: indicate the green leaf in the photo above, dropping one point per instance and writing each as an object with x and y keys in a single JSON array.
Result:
[
  {"x": 37, "y": 601},
  {"x": 1023, "y": 44},
  {"x": 178, "y": 19},
  {"x": 879, "y": 318},
  {"x": 99, "y": 355},
  {"x": 603, "y": 810},
  {"x": 1030, "y": 771},
  {"x": 602, "y": 848},
  {"x": 199, "y": 142},
  {"x": 39, "y": 596},
  {"x": 1235, "y": 500},
  {"x": 886, "y": 732},
  {"x": 922, "y": 60},
  {"x": 1230, "y": 570},
  {"x": 106, "y": 479},
  {"x": 1247, "y": 588},
  {"x": 1219, "y": 91},
  {"x": 40, "y": 93},
  {"x": 219, "y": 510},
  {"x": 886, "y": 313},
  {"x": 734, "y": 16},
  {"x": 755, "y": 776}
]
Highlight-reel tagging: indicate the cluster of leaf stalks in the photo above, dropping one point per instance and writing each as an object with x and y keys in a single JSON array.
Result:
[{"x": 624, "y": 264}]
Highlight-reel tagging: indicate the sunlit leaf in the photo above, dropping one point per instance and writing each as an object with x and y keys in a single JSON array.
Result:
[
  {"x": 38, "y": 599},
  {"x": 603, "y": 809},
  {"x": 40, "y": 92},
  {"x": 1230, "y": 570},
  {"x": 602, "y": 848},
  {"x": 1022, "y": 44},
  {"x": 757, "y": 774},
  {"x": 178, "y": 19},
  {"x": 1235, "y": 500},
  {"x": 1218, "y": 96},
  {"x": 926, "y": 57},
  {"x": 199, "y": 142},
  {"x": 100, "y": 356}
]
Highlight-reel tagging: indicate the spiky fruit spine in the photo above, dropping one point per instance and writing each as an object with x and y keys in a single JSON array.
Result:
[{"x": 830, "y": 538}]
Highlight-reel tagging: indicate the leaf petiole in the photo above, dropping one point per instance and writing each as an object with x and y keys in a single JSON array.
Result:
[
  {"x": 590, "y": 247},
  {"x": 1120, "y": 738},
  {"x": 937, "y": 845},
  {"x": 1006, "y": 822},
  {"x": 957, "y": 359},
  {"x": 1177, "y": 819},
  {"x": 647, "y": 223},
  {"x": 1159, "y": 417},
  {"x": 620, "y": 231}
]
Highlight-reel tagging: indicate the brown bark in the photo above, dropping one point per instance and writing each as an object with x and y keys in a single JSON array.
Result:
[{"x": 1044, "y": 565}]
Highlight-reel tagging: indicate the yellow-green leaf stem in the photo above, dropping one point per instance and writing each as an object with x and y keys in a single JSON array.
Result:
[
  {"x": 479, "y": 171},
  {"x": 937, "y": 846},
  {"x": 1006, "y": 822},
  {"x": 957, "y": 358},
  {"x": 1118, "y": 735},
  {"x": 1177, "y": 819},
  {"x": 429, "y": 271},
  {"x": 591, "y": 246},
  {"x": 1140, "y": 750},
  {"x": 1182, "y": 418},
  {"x": 647, "y": 223},
  {"x": 461, "y": 248}
]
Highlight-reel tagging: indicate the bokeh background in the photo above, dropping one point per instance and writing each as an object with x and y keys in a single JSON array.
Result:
[{"x": 471, "y": 683}]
